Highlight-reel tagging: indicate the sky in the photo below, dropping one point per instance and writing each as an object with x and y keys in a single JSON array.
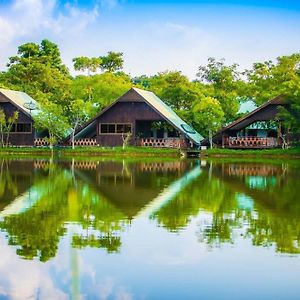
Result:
[{"x": 155, "y": 36}]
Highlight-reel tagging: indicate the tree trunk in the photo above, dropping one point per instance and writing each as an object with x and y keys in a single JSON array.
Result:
[
  {"x": 210, "y": 138},
  {"x": 73, "y": 139},
  {"x": 2, "y": 136},
  {"x": 7, "y": 137}
]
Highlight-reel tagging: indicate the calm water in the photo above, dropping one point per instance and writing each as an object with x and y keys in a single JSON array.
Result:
[{"x": 149, "y": 230}]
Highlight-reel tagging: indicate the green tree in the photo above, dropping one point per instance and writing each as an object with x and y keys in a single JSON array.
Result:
[
  {"x": 38, "y": 71},
  {"x": 51, "y": 118},
  {"x": 224, "y": 84},
  {"x": 112, "y": 62},
  {"x": 282, "y": 77},
  {"x": 6, "y": 124},
  {"x": 89, "y": 64},
  {"x": 175, "y": 89},
  {"x": 77, "y": 113},
  {"x": 100, "y": 90},
  {"x": 209, "y": 114}
]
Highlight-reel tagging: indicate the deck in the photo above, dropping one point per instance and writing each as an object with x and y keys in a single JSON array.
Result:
[{"x": 251, "y": 142}]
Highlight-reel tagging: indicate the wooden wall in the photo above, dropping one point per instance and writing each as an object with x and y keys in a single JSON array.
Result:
[
  {"x": 18, "y": 139},
  {"x": 125, "y": 112}
]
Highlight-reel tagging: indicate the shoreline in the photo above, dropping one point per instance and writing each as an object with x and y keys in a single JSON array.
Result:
[{"x": 147, "y": 152}]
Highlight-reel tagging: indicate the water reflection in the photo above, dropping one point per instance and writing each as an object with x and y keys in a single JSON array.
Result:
[{"x": 97, "y": 202}]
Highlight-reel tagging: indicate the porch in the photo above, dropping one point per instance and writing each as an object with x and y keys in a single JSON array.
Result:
[
  {"x": 161, "y": 142},
  {"x": 250, "y": 142}
]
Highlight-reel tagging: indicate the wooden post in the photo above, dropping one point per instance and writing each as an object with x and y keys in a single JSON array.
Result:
[{"x": 223, "y": 140}]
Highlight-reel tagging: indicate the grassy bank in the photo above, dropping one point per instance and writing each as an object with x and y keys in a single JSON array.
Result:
[
  {"x": 89, "y": 152},
  {"x": 292, "y": 152}
]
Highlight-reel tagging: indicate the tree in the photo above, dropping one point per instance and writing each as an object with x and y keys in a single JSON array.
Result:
[
  {"x": 175, "y": 89},
  {"x": 100, "y": 90},
  {"x": 89, "y": 64},
  {"x": 282, "y": 77},
  {"x": 38, "y": 71},
  {"x": 52, "y": 119},
  {"x": 77, "y": 113},
  {"x": 224, "y": 84},
  {"x": 208, "y": 112},
  {"x": 112, "y": 62},
  {"x": 6, "y": 125}
]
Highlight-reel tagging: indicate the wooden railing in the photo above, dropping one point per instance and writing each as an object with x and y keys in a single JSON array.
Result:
[
  {"x": 40, "y": 142},
  {"x": 251, "y": 142},
  {"x": 85, "y": 142},
  {"x": 162, "y": 143}
]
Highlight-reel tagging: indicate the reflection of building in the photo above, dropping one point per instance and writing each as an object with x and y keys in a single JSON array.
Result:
[
  {"x": 130, "y": 187},
  {"x": 256, "y": 129},
  {"x": 253, "y": 169},
  {"x": 141, "y": 114},
  {"x": 100, "y": 198},
  {"x": 262, "y": 182},
  {"x": 16, "y": 177}
]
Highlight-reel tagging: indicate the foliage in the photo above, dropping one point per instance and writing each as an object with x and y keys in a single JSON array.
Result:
[
  {"x": 77, "y": 113},
  {"x": 209, "y": 115},
  {"x": 282, "y": 77},
  {"x": 224, "y": 84},
  {"x": 83, "y": 63},
  {"x": 100, "y": 90},
  {"x": 52, "y": 119},
  {"x": 38, "y": 71},
  {"x": 6, "y": 124},
  {"x": 112, "y": 62},
  {"x": 174, "y": 88}
]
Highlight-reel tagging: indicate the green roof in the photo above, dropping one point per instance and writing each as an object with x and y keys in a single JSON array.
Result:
[
  {"x": 21, "y": 100},
  {"x": 170, "y": 115}
]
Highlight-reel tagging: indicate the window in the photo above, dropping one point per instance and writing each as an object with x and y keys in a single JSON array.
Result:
[
  {"x": 115, "y": 128},
  {"x": 21, "y": 128}
]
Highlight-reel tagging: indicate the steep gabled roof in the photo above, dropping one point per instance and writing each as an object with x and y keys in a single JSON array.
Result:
[
  {"x": 161, "y": 108},
  {"x": 21, "y": 100},
  {"x": 279, "y": 100}
]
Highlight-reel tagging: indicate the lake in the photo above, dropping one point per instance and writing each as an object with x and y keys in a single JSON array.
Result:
[{"x": 149, "y": 229}]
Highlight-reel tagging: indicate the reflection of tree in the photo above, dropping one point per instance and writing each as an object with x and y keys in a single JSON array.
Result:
[
  {"x": 110, "y": 243},
  {"x": 101, "y": 222},
  {"x": 200, "y": 194},
  {"x": 36, "y": 231},
  {"x": 268, "y": 229},
  {"x": 8, "y": 187},
  {"x": 274, "y": 219}
]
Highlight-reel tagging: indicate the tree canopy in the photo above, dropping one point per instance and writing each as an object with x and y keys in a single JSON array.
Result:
[{"x": 213, "y": 98}]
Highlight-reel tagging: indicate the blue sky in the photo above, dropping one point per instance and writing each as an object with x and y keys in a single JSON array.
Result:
[{"x": 155, "y": 35}]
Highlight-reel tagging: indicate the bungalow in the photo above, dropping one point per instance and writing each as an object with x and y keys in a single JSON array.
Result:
[
  {"x": 22, "y": 132},
  {"x": 142, "y": 117},
  {"x": 255, "y": 130}
]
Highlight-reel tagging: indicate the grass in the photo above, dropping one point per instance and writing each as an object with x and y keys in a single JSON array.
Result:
[
  {"x": 64, "y": 152},
  {"x": 89, "y": 151},
  {"x": 292, "y": 152}
]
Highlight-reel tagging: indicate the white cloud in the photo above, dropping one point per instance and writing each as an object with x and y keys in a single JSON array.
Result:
[
  {"x": 36, "y": 19},
  {"x": 24, "y": 279},
  {"x": 6, "y": 31}
]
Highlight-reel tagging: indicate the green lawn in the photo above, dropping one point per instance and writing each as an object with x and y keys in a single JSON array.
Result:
[
  {"x": 90, "y": 151},
  {"x": 141, "y": 152},
  {"x": 252, "y": 152}
]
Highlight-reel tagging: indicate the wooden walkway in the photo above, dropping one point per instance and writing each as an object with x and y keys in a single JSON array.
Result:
[{"x": 190, "y": 152}]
